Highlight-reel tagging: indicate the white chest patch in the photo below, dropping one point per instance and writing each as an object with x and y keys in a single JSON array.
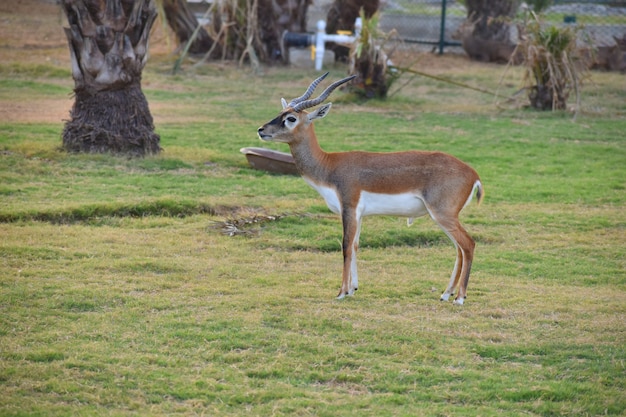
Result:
[
  {"x": 329, "y": 194},
  {"x": 371, "y": 204}
]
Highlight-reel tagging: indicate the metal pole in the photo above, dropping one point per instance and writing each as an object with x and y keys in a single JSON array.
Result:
[{"x": 442, "y": 27}]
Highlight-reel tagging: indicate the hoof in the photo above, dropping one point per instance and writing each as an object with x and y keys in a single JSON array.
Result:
[
  {"x": 459, "y": 301},
  {"x": 341, "y": 296},
  {"x": 445, "y": 297}
]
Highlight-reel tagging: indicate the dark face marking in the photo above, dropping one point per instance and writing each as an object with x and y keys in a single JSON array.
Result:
[
  {"x": 281, "y": 119},
  {"x": 276, "y": 121}
]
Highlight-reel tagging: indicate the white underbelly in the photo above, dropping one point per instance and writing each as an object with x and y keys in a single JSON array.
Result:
[
  {"x": 403, "y": 205},
  {"x": 371, "y": 204}
]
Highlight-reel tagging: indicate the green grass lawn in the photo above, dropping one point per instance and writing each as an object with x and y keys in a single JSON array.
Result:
[{"x": 120, "y": 295}]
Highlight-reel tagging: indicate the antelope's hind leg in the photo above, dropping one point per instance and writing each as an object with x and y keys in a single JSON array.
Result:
[
  {"x": 466, "y": 248},
  {"x": 464, "y": 255},
  {"x": 456, "y": 273}
]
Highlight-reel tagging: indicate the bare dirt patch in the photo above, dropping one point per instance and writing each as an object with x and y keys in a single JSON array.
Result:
[
  {"x": 40, "y": 111},
  {"x": 31, "y": 32}
]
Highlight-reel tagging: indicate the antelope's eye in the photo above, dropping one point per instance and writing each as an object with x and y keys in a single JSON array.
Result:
[{"x": 291, "y": 119}]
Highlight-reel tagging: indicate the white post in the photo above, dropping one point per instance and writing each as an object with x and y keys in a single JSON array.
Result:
[
  {"x": 321, "y": 37},
  {"x": 320, "y": 40}
]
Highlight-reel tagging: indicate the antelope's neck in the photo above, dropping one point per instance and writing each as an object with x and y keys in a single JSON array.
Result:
[{"x": 310, "y": 158}]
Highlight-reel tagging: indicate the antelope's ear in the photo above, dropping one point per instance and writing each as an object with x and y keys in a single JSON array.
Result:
[
  {"x": 284, "y": 103},
  {"x": 320, "y": 112}
]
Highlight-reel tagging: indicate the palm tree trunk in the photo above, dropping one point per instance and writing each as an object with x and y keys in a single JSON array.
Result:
[
  {"x": 108, "y": 44},
  {"x": 490, "y": 18},
  {"x": 183, "y": 22}
]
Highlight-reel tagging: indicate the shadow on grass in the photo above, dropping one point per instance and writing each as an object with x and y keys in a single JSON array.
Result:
[
  {"x": 320, "y": 232},
  {"x": 93, "y": 213}
]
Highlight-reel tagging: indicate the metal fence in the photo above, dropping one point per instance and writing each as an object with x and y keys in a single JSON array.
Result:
[
  {"x": 424, "y": 22},
  {"x": 432, "y": 22}
]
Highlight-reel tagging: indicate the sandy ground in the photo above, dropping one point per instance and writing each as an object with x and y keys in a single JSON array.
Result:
[{"x": 31, "y": 31}]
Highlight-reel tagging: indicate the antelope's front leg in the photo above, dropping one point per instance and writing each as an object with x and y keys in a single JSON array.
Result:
[{"x": 351, "y": 231}]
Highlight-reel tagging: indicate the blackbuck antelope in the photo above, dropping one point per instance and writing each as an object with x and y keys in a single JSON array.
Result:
[{"x": 356, "y": 184}]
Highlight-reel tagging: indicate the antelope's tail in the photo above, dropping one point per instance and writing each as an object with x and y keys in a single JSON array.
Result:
[{"x": 480, "y": 191}]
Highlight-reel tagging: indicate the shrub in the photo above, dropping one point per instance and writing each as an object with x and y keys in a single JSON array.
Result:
[
  {"x": 555, "y": 64},
  {"x": 370, "y": 62}
]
